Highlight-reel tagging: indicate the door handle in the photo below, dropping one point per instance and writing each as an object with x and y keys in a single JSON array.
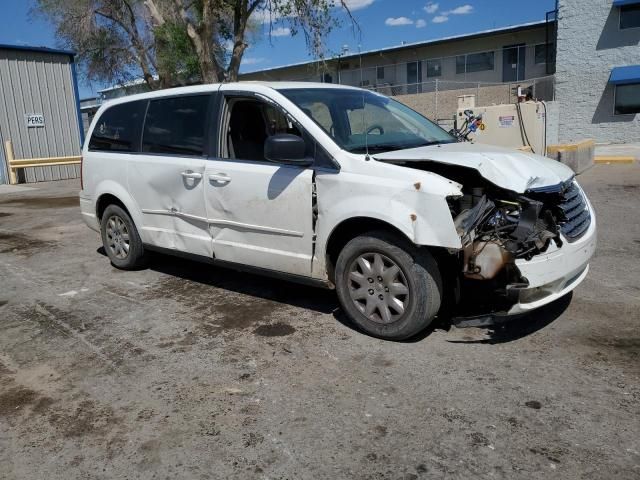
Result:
[
  {"x": 190, "y": 174},
  {"x": 220, "y": 177}
]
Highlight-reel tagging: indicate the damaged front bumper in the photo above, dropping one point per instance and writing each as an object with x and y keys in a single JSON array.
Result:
[
  {"x": 548, "y": 277},
  {"x": 556, "y": 272}
]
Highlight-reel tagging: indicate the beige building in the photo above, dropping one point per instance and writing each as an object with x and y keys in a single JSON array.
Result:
[{"x": 511, "y": 54}]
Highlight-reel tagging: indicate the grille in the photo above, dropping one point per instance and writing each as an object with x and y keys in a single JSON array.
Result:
[{"x": 576, "y": 214}]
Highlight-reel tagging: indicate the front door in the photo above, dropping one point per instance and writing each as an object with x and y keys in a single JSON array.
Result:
[
  {"x": 514, "y": 58},
  {"x": 260, "y": 213},
  {"x": 167, "y": 178}
]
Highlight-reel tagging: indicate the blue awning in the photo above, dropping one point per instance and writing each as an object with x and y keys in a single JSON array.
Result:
[
  {"x": 622, "y": 3},
  {"x": 625, "y": 75}
]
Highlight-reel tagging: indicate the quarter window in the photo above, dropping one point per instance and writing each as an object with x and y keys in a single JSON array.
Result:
[
  {"x": 629, "y": 16},
  {"x": 627, "y": 99},
  {"x": 176, "y": 125},
  {"x": 118, "y": 128}
]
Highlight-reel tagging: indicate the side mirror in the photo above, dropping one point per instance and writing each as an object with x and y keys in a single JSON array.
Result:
[{"x": 286, "y": 148}]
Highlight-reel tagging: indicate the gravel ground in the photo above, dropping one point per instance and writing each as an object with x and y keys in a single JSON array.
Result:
[{"x": 187, "y": 371}]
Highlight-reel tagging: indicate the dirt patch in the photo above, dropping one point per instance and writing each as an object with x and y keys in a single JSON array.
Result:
[
  {"x": 216, "y": 310},
  {"x": 274, "y": 330},
  {"x": 533, "y": 404},
  {"x": 23, "y": 245},
  {"x": 15, "y": 399},
  {"x": 43, "y": 202},
  {"x": 88, "y": 418}
]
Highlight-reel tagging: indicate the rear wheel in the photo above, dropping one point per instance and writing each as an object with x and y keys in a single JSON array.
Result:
[
  {"x": 120, "y": 239},
  {"x": 387, "y": 286}
]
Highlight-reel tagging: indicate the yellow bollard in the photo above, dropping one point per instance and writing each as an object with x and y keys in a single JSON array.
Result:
[{"x": 8, "y": 148}]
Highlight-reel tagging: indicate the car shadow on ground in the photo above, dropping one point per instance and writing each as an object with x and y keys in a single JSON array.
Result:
[
  {"x": 258, "y": 286},
  {"x": 325, "y": 301},
  {"x": 520, "y": 326}
]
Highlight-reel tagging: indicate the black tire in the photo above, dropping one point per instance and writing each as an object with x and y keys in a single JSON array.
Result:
[
  {"x": 135, "y": 256},
  {"x": 420, "y": 273}
]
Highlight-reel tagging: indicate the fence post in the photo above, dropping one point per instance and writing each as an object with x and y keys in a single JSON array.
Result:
[
  {"x": 8, "y": 148},
  {"x": 436, "y": 119}
]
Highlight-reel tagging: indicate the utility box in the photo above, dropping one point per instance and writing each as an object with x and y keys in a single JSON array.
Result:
[
  {"x": 466, "y": 102},
  {"x": 511, "y": 125}
]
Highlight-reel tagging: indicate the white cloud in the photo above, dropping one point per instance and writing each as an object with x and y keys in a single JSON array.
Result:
[
  {"x": 356, "y": 4},
  {"x": 252, "y": 60},
  {"x": 440, "y": 19},
  {"x": 462, "y": 10},
  {"x": 431, "y": 7},
  {"x": 281, "y": 32},
  {"x": 398, "y": 22},
  {"x": 421, "y": 23}
]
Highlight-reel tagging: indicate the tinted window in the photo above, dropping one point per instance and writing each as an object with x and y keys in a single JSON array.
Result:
[
  {"x": 627, "y": 99},
  {"x": 176, "y": 125},
  {"x": 630, "y": 16},
  {"x": 118, "y": 128}
]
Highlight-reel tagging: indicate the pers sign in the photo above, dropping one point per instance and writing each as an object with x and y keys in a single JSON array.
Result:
[{"x": 34, "y": 120}]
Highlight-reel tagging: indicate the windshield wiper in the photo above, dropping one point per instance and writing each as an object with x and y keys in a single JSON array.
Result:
[
  {"x": 383, "y": 147},
  {"x": 388, "y": 147}
]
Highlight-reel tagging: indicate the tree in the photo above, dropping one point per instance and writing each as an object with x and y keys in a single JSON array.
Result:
[{"x": 172, "y": 42}]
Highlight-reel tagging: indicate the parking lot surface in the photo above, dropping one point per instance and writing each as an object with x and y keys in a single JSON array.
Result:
[{"x": 183, "y": 370}]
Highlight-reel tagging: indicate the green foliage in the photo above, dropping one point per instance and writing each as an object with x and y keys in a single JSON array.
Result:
[{"x": 176, "y": 57}]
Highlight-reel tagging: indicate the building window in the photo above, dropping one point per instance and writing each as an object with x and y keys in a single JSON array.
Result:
[
  {"x": 475, "y": 62},
  {"x": 380, "y": 73},
  {"x": 629, "y": 16},
  {"x": 627, "y": 99},
  {"x": 542, "y": 51},
  {"x": 434, "y": 68}
]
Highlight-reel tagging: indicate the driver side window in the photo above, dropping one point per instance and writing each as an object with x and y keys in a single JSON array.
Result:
[{"x": 248, "y": 124}]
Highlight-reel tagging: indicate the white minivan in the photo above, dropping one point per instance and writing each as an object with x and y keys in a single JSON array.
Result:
[{"x": 340, "y": 187}]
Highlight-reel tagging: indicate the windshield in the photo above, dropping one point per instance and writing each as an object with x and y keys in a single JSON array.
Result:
[{"x": 361, "y": 121}]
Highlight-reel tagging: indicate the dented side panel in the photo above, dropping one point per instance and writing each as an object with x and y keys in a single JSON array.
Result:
[
  {"x": 261, "y": 214},
  {"x": 414, "y": 203},
  {"x": 169, "y": 193}
]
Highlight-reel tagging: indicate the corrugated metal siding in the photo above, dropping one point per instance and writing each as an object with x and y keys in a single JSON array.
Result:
[{"x": 36, "y": 82}]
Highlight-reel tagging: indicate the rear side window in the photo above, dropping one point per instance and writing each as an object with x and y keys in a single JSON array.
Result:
[
  {"x": 176, "y": 125},
  {"x": 118, "y": 128}
]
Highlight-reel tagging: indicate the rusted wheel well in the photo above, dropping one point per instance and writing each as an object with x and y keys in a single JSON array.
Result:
[{"x": 104, "y": 201}]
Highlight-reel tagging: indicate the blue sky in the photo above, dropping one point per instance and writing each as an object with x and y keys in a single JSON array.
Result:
[{"x": 382, "y": 23}]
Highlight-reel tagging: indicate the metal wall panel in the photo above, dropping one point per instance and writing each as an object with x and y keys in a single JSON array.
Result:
[{"x": 39, "y": 83}]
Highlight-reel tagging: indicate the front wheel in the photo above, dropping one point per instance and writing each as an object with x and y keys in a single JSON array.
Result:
[
  {"x": 120, "y": 239},
  {"x": 387, "y": 286}
]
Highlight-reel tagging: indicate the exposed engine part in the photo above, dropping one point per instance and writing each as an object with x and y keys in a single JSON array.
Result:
[
  {"x": 484, "y": 260},
  {"x": 495, "y": 233}
]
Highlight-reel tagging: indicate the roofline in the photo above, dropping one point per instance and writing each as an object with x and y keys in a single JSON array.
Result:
[
  {"x": 407, "y": 46},
  {"x": 27, "y": 48}
]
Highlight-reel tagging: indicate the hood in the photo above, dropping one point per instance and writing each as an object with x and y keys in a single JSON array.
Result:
[{"x": 504, "y": 167}]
